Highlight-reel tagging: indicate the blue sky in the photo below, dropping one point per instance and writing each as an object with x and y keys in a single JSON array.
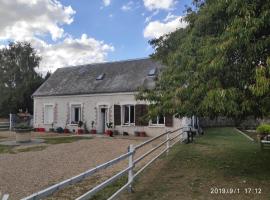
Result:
[
  {"x": 69, "y": 32},
  {"x": 122, "y": 29}
]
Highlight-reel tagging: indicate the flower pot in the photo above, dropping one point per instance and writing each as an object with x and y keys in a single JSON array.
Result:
[
  {"x": 80, "y": 131},
  {"x": 66, "y": 130},
  {"x": 23, "y": 135},
  {"x": 109, "y": 133},
  {"x": 137, "y": 133},
  {"x": 142, "y": 134},
  {"x": 41, "y": 129},
  {"x": 93, "y": 131}
]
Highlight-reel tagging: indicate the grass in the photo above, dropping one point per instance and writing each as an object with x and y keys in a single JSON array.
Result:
[
  {"x": 50, "y": 140},
  {"x": 60, "y": 140},
  {"x": 6, "y": 149},
  {"x": 251, "y": 134},
  {"x": 13, "y": 149},
  {"x": 35, "y": 148},
  {"x": 222, "y": 158}
]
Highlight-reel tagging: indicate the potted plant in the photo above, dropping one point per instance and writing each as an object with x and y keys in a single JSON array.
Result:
[
  {"x": 66, "y": 130},
  {"x": 23, "y": 133},
  {"x": 59, "y": 130},
  {"x": 263, "y": 131},
  {"x": 80, "y": 130},
  {"x": 109, "y": 131},
  {"x": 93, "y": 130},
  {"x": 137, "y": 133},
  {"x": 142, "y": 134},
  {"x": 85, "y": 128}
]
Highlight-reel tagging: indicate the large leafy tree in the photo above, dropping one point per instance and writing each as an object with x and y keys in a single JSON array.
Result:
[
  {"x": 219, "y": 65},
  {"x": 18, "y": 78}
]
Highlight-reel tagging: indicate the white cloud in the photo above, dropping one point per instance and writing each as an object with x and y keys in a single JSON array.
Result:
[
  {"x": 159, "y": 4},
  {"x": 169, "y": 17},
  {"x": 149, "y": 18},
  {"x": 106, "y": 2},
  {"x": 22, "y": 19},
  {"x": 155, "y": 29},
  {"x": 33, "y": 20},
  {"x": 127, "y": 6},
  {"x": 72, "y": 52}
]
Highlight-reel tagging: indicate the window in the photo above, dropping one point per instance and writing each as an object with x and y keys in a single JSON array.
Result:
[
  {"x": 48, "y": 114},
  {"x": 152, "y": 72},
  {"x": 100, "y": 77},
  {"x": 128, "y": 114},
  {"x": 158, "y": 121},
  {"x": 75, "y": 113}
]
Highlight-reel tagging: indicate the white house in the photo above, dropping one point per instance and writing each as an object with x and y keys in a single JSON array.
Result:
[{"x": 100, "y": 93}]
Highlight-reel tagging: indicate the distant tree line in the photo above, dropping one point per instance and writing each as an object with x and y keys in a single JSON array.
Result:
[
  {"x": 219, "y": 65},
  {"x": 18, "y": 78}
]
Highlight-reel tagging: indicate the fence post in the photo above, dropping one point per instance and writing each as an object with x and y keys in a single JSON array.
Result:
[
  {"x": 168, "y": 142},
  {"x": 130, "y": 164},
  {"x": 10, "y": 121}
]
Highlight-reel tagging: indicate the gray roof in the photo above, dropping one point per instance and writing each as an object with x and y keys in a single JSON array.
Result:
[{"x": 121, "y": 76}]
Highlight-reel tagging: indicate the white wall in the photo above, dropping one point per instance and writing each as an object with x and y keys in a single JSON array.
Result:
[{"x": 90, "y": 104}]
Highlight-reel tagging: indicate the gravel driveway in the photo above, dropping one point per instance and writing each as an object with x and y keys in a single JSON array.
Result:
[{"x": 24, "y": 173}]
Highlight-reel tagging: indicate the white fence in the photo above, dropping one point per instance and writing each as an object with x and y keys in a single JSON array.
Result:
[
  {"x": 172, "y": 137},
  {"x": 4, "y": 196}
]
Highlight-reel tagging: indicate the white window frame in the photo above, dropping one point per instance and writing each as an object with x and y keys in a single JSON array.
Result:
[
  {"x": 45, "y": 121},
  {"x": 123, "y": 115},
  {"x": 75, "y": 105},
  {"x": 151, "y": 124}
]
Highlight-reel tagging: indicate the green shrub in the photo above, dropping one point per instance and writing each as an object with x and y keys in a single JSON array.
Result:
[
  {"x": 22, "y": 126},
  {"x": 263, "y": 129},
  {"x": 60, "y": 130}
]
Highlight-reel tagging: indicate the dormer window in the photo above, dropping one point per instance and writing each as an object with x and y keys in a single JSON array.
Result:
[
  {"x": 152, "y": 72},
  {"x": 100, "y": 77}
]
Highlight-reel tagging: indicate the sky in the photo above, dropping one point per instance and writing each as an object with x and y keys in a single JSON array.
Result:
[{"x": 74, "y": 32}]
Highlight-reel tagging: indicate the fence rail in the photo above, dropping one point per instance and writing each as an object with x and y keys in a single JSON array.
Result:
[{"x": 168, "y": 143}]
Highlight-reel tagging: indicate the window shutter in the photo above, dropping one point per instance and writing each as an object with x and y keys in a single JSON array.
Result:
[
  {"x": 117, "y": 115},
  {"x": 169, "y": 120},
  {"x": 141, "y": 111},
  {"x": 68, "y": 114}
]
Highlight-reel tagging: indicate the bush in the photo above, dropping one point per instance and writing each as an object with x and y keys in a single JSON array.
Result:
[
  {"x": 22, "y": 126},
  {"x": 60, "y": 130},
  {"x": 263, "y": 129}
]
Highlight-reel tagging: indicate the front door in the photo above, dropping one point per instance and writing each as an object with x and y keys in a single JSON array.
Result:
[{"x": 103, "y": 119}]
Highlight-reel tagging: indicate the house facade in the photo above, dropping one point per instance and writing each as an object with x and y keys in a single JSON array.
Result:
[{"x": 98, "y": 94}]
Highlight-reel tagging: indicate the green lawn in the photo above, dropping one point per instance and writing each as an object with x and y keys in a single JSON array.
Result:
[
  {"x": 222, "y": 158},
  {"x": 47, "y": 140}
]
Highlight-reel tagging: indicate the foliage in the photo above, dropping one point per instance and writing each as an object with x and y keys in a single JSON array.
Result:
[
  {"x": 219, "y": 65},
  {"x": 18, "y": 78},
  {"x": 92, "y": 124},
  {"x": 80, "y": 124},
  {"x": 109, "y": 125},
  {"x": 263, "y": 129},
  {"x": 22, "y": 125},
  {"x": 59, "y": 130}
]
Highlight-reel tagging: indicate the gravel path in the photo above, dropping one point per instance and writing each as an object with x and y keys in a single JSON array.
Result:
[{"x": 24, "y": 173}]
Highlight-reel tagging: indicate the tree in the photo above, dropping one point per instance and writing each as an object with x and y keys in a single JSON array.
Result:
[
  {"x": 18, "y": 78},
  {"x": 219, "y": 65}
]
